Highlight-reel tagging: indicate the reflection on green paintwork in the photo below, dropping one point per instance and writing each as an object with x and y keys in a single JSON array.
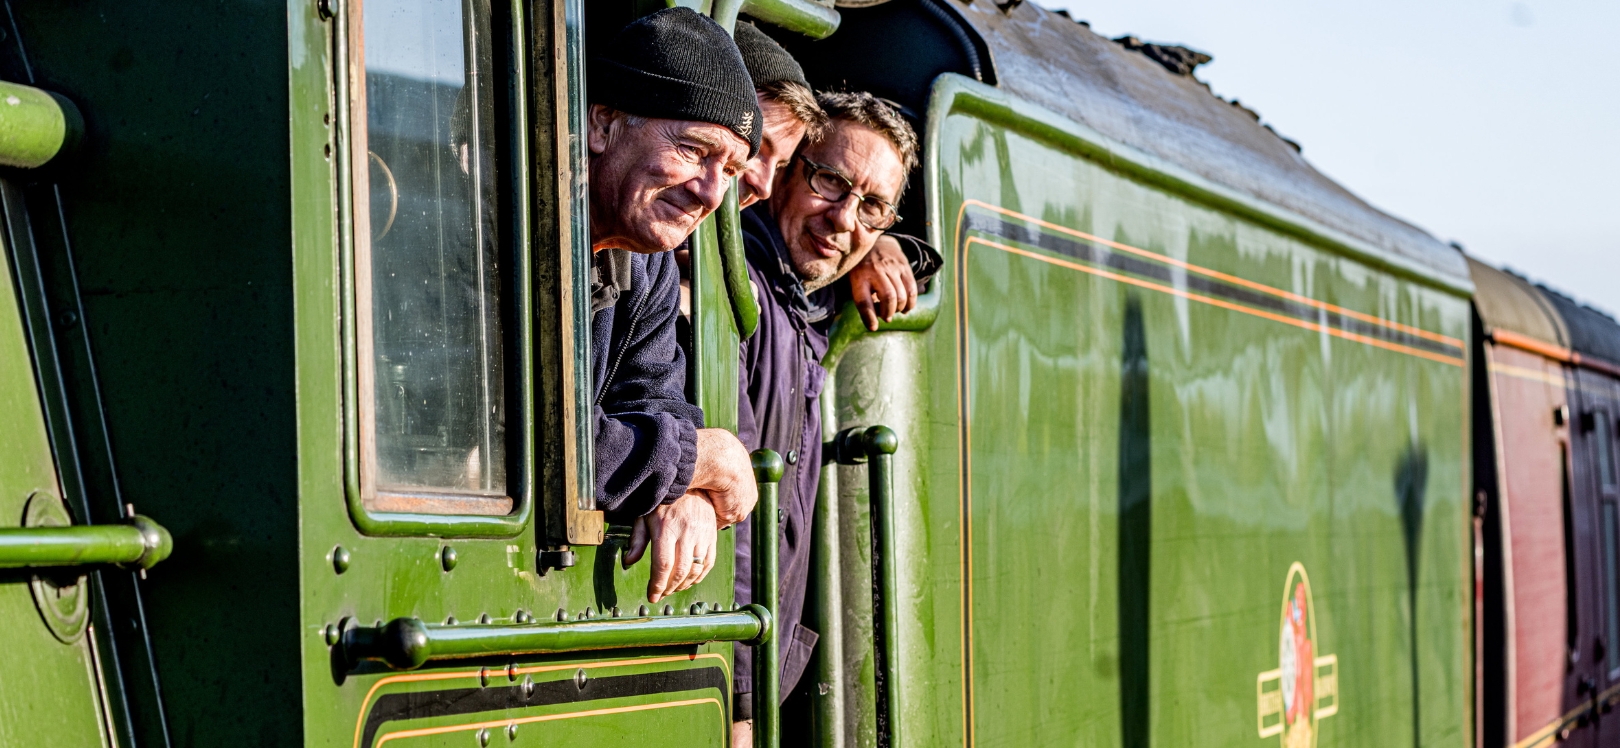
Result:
[{"x": 1289, "y": 391}]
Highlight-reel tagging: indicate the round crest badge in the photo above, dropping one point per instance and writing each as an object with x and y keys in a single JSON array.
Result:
[{"x": 1304, "y": 688}]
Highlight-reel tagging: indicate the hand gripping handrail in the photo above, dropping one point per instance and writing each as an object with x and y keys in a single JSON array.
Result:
[
  {"x": 767, "y": 655},
  {"x": 876, "y": 446},
  {"x": 138, "y": 544}
]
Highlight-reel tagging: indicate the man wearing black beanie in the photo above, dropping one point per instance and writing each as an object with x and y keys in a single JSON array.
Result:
[{"x": 672, "y": 120}]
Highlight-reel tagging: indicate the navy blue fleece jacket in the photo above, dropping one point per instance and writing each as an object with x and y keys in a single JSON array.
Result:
[{"x": 645, "y": 430}]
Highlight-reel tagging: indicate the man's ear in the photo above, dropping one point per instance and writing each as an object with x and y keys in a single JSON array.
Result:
[{"x": 598, "y": 124}]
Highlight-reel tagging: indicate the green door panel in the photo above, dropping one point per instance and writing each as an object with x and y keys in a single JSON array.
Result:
[
  {"x": 50, "y": 691},
  {"x": 1168, "y": 475}
]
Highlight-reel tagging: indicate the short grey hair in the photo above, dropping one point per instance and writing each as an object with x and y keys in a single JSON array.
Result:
[{"x": 863, "y": 108}]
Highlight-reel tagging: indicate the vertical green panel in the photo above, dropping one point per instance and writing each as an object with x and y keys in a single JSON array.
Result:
[
  {"x": 714, "y": 332},
  {"x": 48, "y": 689}
]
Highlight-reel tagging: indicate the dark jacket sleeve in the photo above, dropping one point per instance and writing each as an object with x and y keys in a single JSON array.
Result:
[
  {"x": 925, "y": 260},
  {"x": 645, "y": 430}
]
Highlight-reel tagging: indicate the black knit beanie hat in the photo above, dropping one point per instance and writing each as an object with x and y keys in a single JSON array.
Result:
[
  {"x": 677, "y": 64},
  {"x": 767, "y": 61}
]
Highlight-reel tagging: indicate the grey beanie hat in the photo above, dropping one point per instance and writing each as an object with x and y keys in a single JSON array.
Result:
[
  {"x": 767, "y": 61},
  {"x": 677, "y": 64}
]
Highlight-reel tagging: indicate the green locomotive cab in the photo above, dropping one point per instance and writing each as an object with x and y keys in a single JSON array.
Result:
[{"x": 1174, "y": 450}]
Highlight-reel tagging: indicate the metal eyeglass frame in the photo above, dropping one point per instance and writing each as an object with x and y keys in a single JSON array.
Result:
[{"x": 893, "y": 213}]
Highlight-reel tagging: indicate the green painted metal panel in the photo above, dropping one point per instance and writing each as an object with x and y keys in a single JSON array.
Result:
[
  {"x": 679, "y": 693},
  {"x": 49, "y": 690},
  {"x": 1141, "y": 407}
]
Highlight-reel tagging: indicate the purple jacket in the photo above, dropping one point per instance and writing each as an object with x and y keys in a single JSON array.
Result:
[
  {"x": 645, "y": 430},
  {"x": 780, "y": 383}
]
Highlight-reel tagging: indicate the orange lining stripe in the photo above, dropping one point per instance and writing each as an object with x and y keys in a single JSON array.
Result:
[
  {"x": 427, "y": 731},
  {"x": 1291, "y": 296},
  {"x": 1312, "y": 326},
  {"x": 1527, "y": 343},
  {"x": 365, "y": 706}
]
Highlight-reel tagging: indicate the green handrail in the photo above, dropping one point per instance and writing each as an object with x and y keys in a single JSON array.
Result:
[
  {"x": 767, "y": 654},
  {"x": 734, "y": 265},
  {"x": 876, "y": 446},
  {"x": 812, "y": 19},
  {"x": 408, "y": 643},
  {"x": 35, "y": 125},
  {"x": 140, "y": 544}
]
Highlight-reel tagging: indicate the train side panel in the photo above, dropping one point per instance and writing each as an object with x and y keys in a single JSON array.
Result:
[{"x": 1168, "y": 475}]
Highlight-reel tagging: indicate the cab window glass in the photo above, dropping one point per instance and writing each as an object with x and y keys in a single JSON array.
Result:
[
  {"x": 1605, "y": 450},
  {"x": 427, "y": 259},
  {"x": 1611, "y": 577}
]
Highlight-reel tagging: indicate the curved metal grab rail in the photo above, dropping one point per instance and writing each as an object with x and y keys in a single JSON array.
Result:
[
  {"x": 875, "y": 447},
  {"x": 408, "y": 643},
  {"x": 139, "y": 544},
  {"x": 767, "y": 585}
]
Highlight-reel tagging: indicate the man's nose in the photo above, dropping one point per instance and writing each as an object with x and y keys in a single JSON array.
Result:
[
  {"x": 710, "y": 187},
  {"x": 842, "y": 214},
  {"x": 756, "y": 181}
]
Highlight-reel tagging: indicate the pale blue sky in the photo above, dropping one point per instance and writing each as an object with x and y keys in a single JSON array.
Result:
[{"x": 1492, "y": 123}]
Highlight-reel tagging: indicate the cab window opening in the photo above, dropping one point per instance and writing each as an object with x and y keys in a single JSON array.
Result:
[
  {"x": 429, "y": 259},
  {"x": 1611, "y": 584},
  {"x": 1603, "y": 442}
]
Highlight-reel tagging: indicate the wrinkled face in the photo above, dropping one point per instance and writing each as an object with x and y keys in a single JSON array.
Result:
[
  {"x": 778, "y": 141},
  {"x": 652, "y": 184},
  {"x": 824, "y": 238}
]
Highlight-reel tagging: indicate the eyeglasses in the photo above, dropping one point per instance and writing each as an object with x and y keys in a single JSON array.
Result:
[{"x": 874, "y": 212}]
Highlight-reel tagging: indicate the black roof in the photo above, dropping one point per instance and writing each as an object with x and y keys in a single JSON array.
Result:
[
  {"x": 1119, "y": 90},
  {"x": 1591, "y": 332}
]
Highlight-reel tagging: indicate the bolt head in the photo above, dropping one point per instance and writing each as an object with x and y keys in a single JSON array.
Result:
[
  {"x": 340, "y": 559},
  {"x": 331, "y": 633},
  {"x": 483, "y": 736},
  {"x": 447, "y": 558}
]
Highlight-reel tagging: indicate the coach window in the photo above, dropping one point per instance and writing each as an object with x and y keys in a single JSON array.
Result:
[
  {"x": 428, "y": 258},
  {"x": 1603, "y": 441}
]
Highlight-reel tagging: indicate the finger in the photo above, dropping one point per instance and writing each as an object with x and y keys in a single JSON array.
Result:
[
  {"x": 863, "y": 302},
  {"x": 663, "y": 560},
  {"x": 702, "y": 549},
  {"x": 886, "y": 292},
  {"x": 909, "y": 282},
  {"x": 712, "y": 551},
  {"x": 638, "y": 543},
  {"x": 685, "y": 550}
]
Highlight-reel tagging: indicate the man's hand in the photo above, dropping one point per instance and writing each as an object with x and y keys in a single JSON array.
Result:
[
  {"x": 882, "y": 284},
  {"x": 725, "y": 475},
  {"x": 683, "y": 538}
]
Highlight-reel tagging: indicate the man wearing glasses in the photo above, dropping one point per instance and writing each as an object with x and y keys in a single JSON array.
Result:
[{"x": 827, "y": 211}]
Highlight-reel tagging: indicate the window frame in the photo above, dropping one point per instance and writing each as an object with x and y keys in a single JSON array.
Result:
[{"x": 517, "y": 313}]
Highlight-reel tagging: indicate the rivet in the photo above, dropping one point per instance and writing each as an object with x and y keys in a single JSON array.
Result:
[
  {"x": 641, "y": 611},
  {"x": 580, "y": 678},
  {"x": 450, "y": 621},
  {"x": 511, "y": 670},
  {"x": 793, "y": 457},
  {"x": 483, "y": 618},
  {"x": 483, "y": 677},
  {"x": 447, "y": 558},
  {"x": 522, "y": 616},
  {"x": 511, "y": 731},
  {"x": 483, "y": 736},
  {"x": 340, "y": 559},
  {"x": 615, "y": 611},
  {"x": 696, "y": 609},
  {"x": 669, "y": 610},
  {"x": 528, "y": 687},
  {"x": 331, "y": 634},
  {"x": 562, "y": 615}
]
